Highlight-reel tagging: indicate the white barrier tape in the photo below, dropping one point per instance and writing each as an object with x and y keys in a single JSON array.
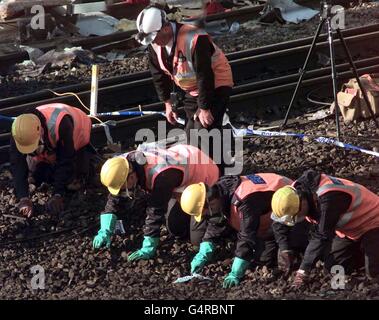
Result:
[
  {"x": 324, "y": 140},
  {"x": 107, "y": 131},
  {"x": 192, "y": 276},
  {"x": 137, "y": 113}
]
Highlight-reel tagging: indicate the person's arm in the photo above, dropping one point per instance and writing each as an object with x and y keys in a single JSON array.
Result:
[
  {"x": 113, "y": 204},
  {"x": 20, "y": 171},
  {"x": 202, "y": 62},
  {"x": 251, "y": 210},
  {"x": 332, "y": 206},
  {"x": 281, "y": 234},
  {"x": 215, "y": 227},
  {"x": 108, "y": 219},
  {"x": 164, "y": 185},
  {"x": 65, "y": 152},
  {"x": 162, "y": 82}
]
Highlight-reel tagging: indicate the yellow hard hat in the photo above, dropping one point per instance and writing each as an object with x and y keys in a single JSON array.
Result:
[
  {"x": 285, "y": 202},
  {"x": 114, "y": 173},
  {"x": 193, "y": 199},
  {"x": 26, "y": 132}
]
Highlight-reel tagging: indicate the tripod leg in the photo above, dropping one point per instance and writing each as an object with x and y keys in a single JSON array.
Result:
[
  {"x": 355, "y": 72},
  {"x": 334, "y": 74},
  {"x": 302, "y": 72}
]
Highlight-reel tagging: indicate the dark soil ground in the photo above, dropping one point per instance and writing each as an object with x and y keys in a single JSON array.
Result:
[
  {"x": 63, "y": 245},
  {"x": 73, "y": 270}
]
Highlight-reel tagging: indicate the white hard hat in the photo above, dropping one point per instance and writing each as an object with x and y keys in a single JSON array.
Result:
[{"x": 149, "y": 22}]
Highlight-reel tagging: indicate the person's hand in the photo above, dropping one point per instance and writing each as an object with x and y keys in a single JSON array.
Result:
[
  {"x": 239, "y": 267},
  {"x": 230, "y": 281},
  {"x": 25, "y": 207},
  {"x": 171, "y": 116},
  {"x": 103, "y": 238},
  {"x": 205, "y": 117},
  {"x": 107, "y": 226},
  {"x": 285, "y": 261},
  {"x": 300, "y": 279},
  {"x": 148, "y": 250},
  {"x": 55, "y": 204},
  {"x": 202, "y": 257}
]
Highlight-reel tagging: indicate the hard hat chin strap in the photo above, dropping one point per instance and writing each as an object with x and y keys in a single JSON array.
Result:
[{"x": 130, "y": 193}]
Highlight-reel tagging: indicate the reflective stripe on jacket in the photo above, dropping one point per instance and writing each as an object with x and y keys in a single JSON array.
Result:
[
  {"x": 259, "y": 182},
  {"x": 53, "y": 113},
  {"x": 363, "y": 213},
  {"x": 194, "y": 163},
  {"x": 184, "y": 74}
]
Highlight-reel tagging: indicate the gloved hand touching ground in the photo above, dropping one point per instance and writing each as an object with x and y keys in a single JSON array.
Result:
[
  {"x": 25, "y": 207},
  {"x": 107, "y": 225},
  {"x": 238, "y": 271},
  {"x": 149, "y": 247},
  {"x": 202, "y": 257}
]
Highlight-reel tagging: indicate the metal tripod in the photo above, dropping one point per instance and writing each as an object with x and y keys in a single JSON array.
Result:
[{"x": 326, "y": 17}]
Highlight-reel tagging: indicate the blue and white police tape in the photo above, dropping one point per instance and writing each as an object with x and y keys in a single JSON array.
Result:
[
  {"x": 130, "y": 113},
  {"x": 136, "y": 113},
  {"x": 323, "y": 140},
  {"x": 116, "y": 113}
]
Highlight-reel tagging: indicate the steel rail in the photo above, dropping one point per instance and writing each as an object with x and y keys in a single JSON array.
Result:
[
  {"x": 247, "y": 98},
  {"x": 270, "y": 56}
]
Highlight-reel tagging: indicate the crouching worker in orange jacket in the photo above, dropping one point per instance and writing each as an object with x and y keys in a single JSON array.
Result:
[
  {"x": 163, "y": 173},
  {"x": 53, "y": 144},
  {"x": 245, "y": 203},
  {"x": 336, "y": 206}
]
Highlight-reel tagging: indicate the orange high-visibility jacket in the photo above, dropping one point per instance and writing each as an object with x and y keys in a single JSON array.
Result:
[
  {"x": 363, "y": 213},
  {"x": 259, "y": 182},
  {"x": 194, "y": 163},
  {"x": 53, "y": 114},
  {"x": 184, "y": 74}
]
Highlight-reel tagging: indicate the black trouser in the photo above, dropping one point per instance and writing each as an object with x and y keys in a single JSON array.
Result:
[
  {"x": 266, "y": 251},
  {"x": 178, "y": 222},
  {"x": 44, "y": 172},
  {"x": 218, "y": 108},
  {"x": 349, "y": 253},
  {"x": 183, "y": 226}
]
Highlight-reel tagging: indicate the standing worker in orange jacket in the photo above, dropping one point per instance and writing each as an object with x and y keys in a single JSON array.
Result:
[
  {"x": 53, "y": 144},
  {"x": 336, "y": 206},
  {"x": 245, "y": 203},
  {"x": 184, "y": 58}
]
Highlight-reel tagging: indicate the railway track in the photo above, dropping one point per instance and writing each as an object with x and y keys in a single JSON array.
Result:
[
  {"x": 266, "y": 98},
  {"x": 271, "y": 100},
  {"x": 248, "y": 66},
  {"x": 123, "y": 38}
]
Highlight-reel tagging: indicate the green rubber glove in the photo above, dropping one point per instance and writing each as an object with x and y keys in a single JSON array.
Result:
[
  {"x": 149, "y": 247},
  {"x": 238, "y": 271},
  {"x": 202, "y": 257},
  {"x": 107, "y": 225}
]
